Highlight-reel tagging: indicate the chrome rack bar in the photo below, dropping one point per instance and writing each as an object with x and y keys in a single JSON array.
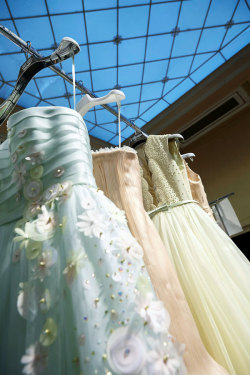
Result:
[
  {"x": 25, "y": 46},
  {"x": 221, "y": 198}
]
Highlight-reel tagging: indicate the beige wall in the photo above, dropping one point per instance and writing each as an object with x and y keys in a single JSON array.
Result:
[{"x": 223, "y": 161}]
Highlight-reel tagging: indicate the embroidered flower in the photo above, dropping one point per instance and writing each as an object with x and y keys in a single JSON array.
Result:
[
  {"x": 26, "y": 301},
  {"x": 74, "y": 264},
  {"x": 45, "y": 223},
  {"x": 118, "y": 215},
  {"x": 35, "y": 360},
  {"x": 143, "y": 284},
  {"x": 165, "y": 360},
  {"x": 125, "y": 352},
  {"x": 44, "y": 264},
  {"x": 51, "y": 193},
  {"x": 88, "y": 203},
  {"x": 92, "y": 223},
  {"x": 19, "y": 174},
  {"x": 66, "y": 190},
  {"x": 153, "y": 312},
  {"x": 45, "y": 301},
  {"x": 33, "y": 249},
  {"x": 22, "y": 237},
  {"x": 22, "y": 133},
  {"x": 128, "y": 245},
  {"x": 59, "y": 172},
  {"x": 32, "y": 210}
]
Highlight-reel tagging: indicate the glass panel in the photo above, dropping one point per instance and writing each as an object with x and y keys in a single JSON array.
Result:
[
  {"x": 115, "y": 141},
  {"x": 133, "y": 21},
  {"x": 146, "y": 105},
  {"x": 159, "y": 47},
  {"x": 220, "y": 12},
  {"x": 180, "y": 90},
  {"x": 207, "y": 68},
  {"x": 130, "y": 111},
  {"x": 90, "y": 116},
  {"x": 242, "y": 12},
  {"x": 151, "y": 91},
  {"x": 163, "y": 17},
  {"x": 30, "y": 29},
  {"x": 171, "y": 84},
  {"x": 132, "y": 94},
  {"x": 85, "y": 78},
  {"x": 200, "y": 59},
  {"x": 31, "y": 88},
  {"x": 211, "y": 39},
  {"x": 179, "y": 67},
  {"x": 5, "y": 90},
  {"x": 103, "y": 55},
  {"x": 100, "y": 133},
  {"x": 155, "y": 71},
  {"x": 71, "y": 25},
  {"x": 131, "y": 51},
  {"x": 237, "y": 44},
  {"x": 5, "y": 44},
  {"x": 101, "y": 25},
  {"x": 27, "y": 101},
  {"x": 62, "y": 102},
  {"x": 99, "y": 4},
  {"x": 233, "y": 32},
  {"x": 104, "y": 79},
  {"x": 193, "y": 14},
  {"x": 10, "y": 65},
  {"x": 111, "y": 128},
  {"x": 139, "y": 122},
  {"x": 155, "y": 110},
  {"x": 185, "y": 43},
  {"x": 51, "y": 87},
  {"x": 129, "y": 75},
  {"x": 26, "y": 8},
  {"x": 89, "y": 126},
  {"x": 64, "y": 6},
  {"x": 104, "y": 116},
  {"x": 133, "y": 2},
  {"x": 4, "y": 11},
  {"x": 127, "y": 132}
]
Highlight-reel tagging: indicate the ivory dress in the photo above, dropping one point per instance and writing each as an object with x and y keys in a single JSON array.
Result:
[
  {"x": 214, "y": 274},
  {"x": 198, "y": 191},
  {"x": 75, "y": 295},
  {"x": 117, "y": 173}
]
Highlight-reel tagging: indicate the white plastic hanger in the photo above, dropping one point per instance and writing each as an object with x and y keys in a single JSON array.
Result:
[
  {"x": 87, "y": 102},
  {"x": 189, "y": 155},
  {"x": 176, "y": 137}
]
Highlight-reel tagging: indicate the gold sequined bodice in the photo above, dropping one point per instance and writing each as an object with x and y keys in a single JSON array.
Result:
[{"x": 163, "y": 172}]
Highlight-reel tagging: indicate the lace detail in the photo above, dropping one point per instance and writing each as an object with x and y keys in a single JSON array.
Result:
[{"x": 164, "y": 171}]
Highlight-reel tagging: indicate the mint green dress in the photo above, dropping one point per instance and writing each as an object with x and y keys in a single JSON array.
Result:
[{"x": 75, "y": 297}]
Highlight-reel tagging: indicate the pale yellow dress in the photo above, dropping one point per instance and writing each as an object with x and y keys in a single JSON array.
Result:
[
  {"x": 214, "y": 274},
  {"x": 117, "y": 173}
]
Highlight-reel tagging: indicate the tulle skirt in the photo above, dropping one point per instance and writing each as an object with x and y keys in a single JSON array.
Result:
[
  {"x": 215, "y": 277},
  {"x": 68, "y": 303}
]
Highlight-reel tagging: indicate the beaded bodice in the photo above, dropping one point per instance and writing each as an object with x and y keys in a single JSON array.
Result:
[
  {"x": 46, "y": 146},
  {"x": 163, "y": 173}
]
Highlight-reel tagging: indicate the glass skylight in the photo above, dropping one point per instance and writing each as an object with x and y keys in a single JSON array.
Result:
[{"x": 155, "y": 51}]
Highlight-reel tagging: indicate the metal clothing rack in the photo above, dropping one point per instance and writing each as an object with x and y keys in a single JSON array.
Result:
[{"x": 26, "y": 47}]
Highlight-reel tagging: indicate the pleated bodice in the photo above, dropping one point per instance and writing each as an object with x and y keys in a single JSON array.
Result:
[
  {"x": 164, "y": 176},
  {"x": 40, "y": 153}
]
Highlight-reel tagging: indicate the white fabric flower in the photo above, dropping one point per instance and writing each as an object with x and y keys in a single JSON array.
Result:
[
  {"x": 26, "y": 301},
  {"x": 44, "y": 264},
  {"x": 125, "y": 352},
  {"x": 35, "y": 360},
  {"x": 118, "y": 215},
  {"x": 45, "y": 223},
  {"x": 51, "y": 193},
  {"x": 153, "y": 312},
  {"x": 66, "y": 190},
  {"x": 88, "y": 203},
  {"x": 74, "y": 265},
  {"x": 165, "y": 360},
  {"x": 128, "y": 244},
  {"x": 92, "y": 223},
  {"x": 19, "y": 174}
]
